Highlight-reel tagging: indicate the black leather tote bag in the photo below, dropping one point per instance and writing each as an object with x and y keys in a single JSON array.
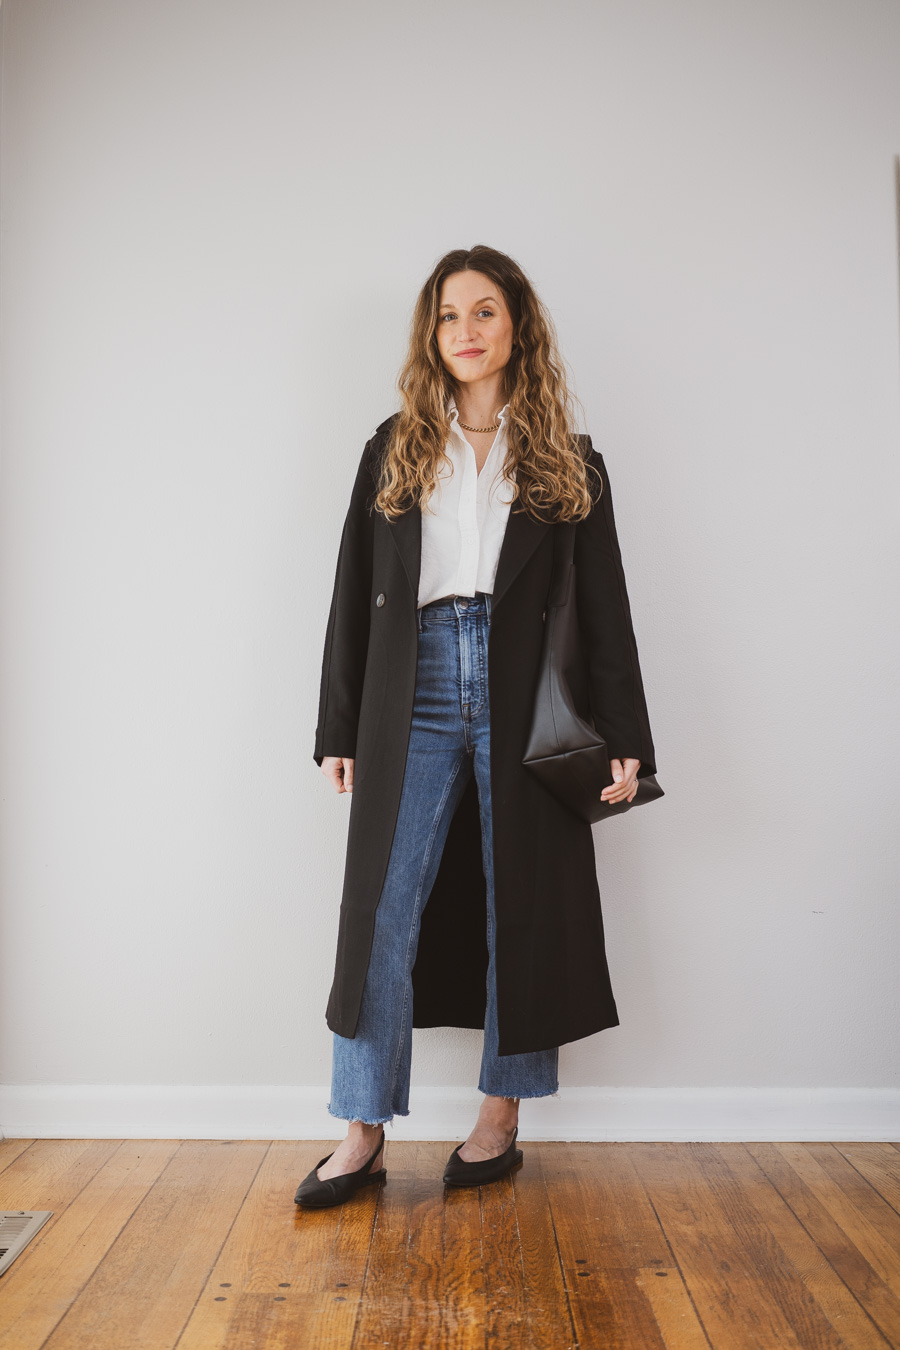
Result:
[{"x": 565, "y": 752}]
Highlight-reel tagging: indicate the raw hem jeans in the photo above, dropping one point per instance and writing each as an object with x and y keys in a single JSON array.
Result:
[{"x": 449, "y": 740}]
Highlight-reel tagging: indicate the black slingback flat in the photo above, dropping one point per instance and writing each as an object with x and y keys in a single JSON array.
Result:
[
  {"x": 313, "y": 1193},
  {"x": 458, "y": 1172}
]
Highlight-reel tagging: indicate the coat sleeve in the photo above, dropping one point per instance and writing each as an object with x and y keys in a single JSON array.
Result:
[
  {"x": 618, "y": 705},
  {"x": 347, "y": 633}
]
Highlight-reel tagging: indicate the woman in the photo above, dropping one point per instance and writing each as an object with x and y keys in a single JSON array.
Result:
[{"x": 470, "y": 892}]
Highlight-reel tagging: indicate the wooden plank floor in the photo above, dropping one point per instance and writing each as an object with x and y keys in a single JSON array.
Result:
[{"x": 198, "y": 1245}]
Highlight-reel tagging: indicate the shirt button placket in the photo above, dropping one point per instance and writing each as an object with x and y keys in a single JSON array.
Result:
[{"x": 468, "y": 525}]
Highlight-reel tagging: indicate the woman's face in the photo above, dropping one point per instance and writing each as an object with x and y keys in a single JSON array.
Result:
[{"x": 474, "y": 327}]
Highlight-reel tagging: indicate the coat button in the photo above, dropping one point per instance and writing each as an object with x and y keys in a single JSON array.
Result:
[{"x": 380, "y": 600}]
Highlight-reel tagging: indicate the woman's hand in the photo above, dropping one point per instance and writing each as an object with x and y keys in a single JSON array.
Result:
[
  {"x": 339, "y": 771},
  {"x": 626, "y": 784}
]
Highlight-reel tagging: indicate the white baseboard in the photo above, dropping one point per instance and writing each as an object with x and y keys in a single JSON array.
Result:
[{"x": 576, "y": 1113}]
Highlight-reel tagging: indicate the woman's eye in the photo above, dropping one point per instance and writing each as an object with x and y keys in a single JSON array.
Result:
[{"x": 488, "y": 312}]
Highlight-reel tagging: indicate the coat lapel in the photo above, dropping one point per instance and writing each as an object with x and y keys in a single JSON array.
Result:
[
  {"x": 522, "y": 536},
  {"x": 406, "y": 532}
]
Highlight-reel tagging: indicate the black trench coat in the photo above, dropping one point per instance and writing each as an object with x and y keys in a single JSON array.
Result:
[{"x": 553, "y": 983}]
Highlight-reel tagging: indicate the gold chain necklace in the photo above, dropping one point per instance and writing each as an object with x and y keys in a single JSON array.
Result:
[{"x": 495, "y": 427}]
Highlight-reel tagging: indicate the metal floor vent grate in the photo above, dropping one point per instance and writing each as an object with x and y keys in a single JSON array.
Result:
[{"x": 17, "y": 1228}]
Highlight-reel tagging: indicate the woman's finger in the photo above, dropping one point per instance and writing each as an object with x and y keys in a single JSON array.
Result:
[
  {"x": 625, "y": 789},
  {"x": 339, "y": 772},
  {"x": 625, "y": 775},
  {"x": 611, "y": 793}
]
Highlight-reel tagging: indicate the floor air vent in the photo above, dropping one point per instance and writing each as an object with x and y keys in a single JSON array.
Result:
[{"x": 17, "y": 1228}]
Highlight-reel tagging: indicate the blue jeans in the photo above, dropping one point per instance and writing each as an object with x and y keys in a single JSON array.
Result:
[{"x": 449, "y": 740}]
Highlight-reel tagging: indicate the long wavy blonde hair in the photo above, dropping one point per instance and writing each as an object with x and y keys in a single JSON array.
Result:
[{"x": 545, "y": 464}]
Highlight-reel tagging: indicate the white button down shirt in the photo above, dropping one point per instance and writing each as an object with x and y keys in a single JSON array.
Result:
[{"x": 464, "y": 521}]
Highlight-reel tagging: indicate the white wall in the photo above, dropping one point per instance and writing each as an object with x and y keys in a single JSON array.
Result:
[{"x": 215, "y": 219}]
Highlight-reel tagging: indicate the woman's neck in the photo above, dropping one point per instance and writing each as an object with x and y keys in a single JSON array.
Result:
[{"x": 479, "y": 407}]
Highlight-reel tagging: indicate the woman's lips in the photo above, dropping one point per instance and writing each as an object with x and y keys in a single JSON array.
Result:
[{"x": 472, "y": 352}]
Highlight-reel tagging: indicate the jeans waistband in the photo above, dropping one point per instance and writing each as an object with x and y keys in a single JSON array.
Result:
[{"x": 479, "y": 603}]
